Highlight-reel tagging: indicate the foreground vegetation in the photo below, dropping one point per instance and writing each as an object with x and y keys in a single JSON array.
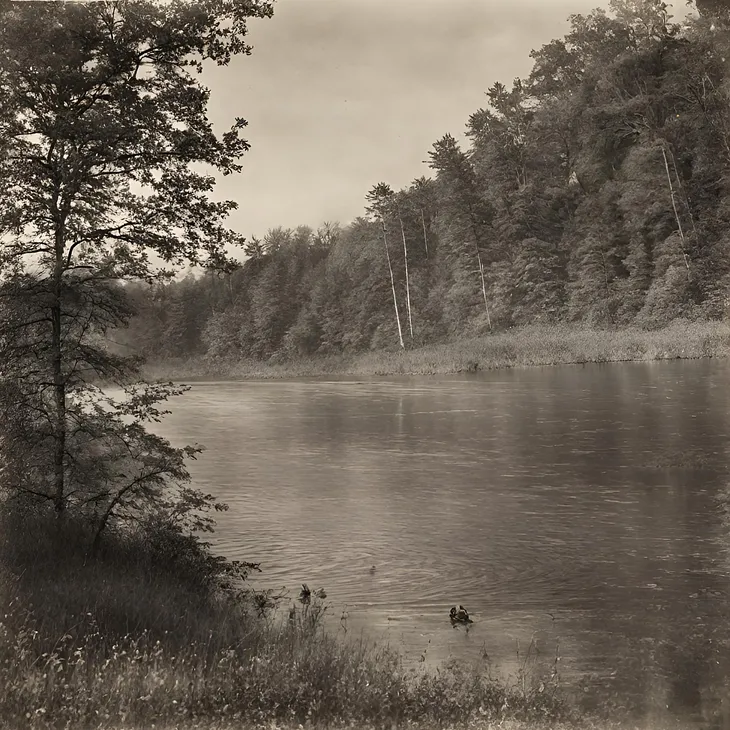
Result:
[
  {"x": 147, "y": 634},
  {"x": 527, "y": 346}
]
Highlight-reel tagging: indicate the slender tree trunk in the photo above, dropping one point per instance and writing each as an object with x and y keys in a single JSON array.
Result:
[
  {"x": 676, "y": 214},
  {"x": 96, "y": 544},
  {"x": 605, "y": 273},
  {"x": 481, "y": 269},
  {"x": 605, "y": 283},
  {"x": 408, "y": 281},
  {"x": 723, "y": 131},
  {"x": 392, "y": 286},
  {"x": 684, "y": 193},
  {"x": 425, "y": 236},
  {"x": 484, "y": 288},
  {"x": 59, "y": 383}
]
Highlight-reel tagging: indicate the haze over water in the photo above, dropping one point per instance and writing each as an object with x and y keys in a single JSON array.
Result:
[{"x": 581, "y": 505}]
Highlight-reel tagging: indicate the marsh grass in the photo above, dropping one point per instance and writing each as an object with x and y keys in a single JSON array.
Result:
[
  {"x": 128, "y": 639},
  {"x": 523, "y": 347}
]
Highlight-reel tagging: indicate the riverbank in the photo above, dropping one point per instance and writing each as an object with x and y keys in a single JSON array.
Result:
[
  {"x": 145, "y": 635},
  {"x": 524, "y": 347}
]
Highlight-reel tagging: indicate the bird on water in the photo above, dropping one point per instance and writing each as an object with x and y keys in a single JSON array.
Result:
[{"x": 459, "y": 615}]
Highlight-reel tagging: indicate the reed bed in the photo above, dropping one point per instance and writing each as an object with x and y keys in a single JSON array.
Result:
[{"x": 524, "y": 347}]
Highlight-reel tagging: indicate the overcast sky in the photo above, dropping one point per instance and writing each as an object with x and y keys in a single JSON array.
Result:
[{"x": 342, "y": 94}]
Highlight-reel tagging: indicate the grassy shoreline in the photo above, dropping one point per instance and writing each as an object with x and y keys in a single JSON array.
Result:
[
  {"x": 137, "y": 637},
  {"x": 524, "y": 347}
]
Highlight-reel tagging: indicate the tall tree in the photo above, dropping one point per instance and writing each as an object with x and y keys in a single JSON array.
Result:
[
  {"x": 398, "y": 203},
  {"x": 466, "y": 205},
  {"x": 423, "y": 195},
  {"x": 103, "y": 135},
  {"x": 380, "y": 201}
]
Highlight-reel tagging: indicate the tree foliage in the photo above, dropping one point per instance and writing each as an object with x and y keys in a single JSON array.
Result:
[
  {"x": 594, "y": 190},
  {"x": 107, "y": 157}
]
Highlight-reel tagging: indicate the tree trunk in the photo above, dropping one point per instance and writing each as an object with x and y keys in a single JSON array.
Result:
[
  {"x": 723, "y": 130},
  {"x": 481, "y": 268},
  {"x": 475, "y": 234},
  {"x": 484, "y": 289},
  {"x": 425, "y": 236},
  {"x": 605, "y": 283},
  {"x": 59, "y": 383},
  {"x": 676, "y": 214},
  {"x": 408, "y": 283},
  {"x": 392, "y": 286},
  {"x": 96, "y": 544},
  {"x": 684, "y": 193}
]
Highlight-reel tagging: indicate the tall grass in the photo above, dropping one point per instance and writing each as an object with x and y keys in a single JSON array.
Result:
[
  {"x": 526, "y": 346},
  {"x": 127, "y": 640}
]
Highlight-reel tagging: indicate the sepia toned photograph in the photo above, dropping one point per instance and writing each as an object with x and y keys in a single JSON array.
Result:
[{"x": 364, "y": 364}]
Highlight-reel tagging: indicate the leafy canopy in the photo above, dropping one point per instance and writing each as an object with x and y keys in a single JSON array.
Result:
[{"x": 108, "y": 158}]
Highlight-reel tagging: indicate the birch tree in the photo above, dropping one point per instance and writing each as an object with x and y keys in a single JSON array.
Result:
[
  {"x": 398, "y": 208},
  {"x": 379, "y": 199}
]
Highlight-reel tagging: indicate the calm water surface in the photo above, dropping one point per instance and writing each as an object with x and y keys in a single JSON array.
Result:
[{"x": 581, "y": 505}]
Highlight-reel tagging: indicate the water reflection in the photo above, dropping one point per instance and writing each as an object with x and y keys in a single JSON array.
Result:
[{"x": 586, "y": 504}]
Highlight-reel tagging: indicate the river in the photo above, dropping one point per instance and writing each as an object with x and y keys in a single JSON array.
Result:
[{"x": 580, "y": 509}]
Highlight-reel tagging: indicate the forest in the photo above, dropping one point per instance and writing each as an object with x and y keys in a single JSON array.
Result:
[{"x": 593, "y": 192}]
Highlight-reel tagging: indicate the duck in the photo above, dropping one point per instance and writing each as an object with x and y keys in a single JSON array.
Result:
[
  {"x": 305, "y": 595},
  {"x": 459, "y": 615}
]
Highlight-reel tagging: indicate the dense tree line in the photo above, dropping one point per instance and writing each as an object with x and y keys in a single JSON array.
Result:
[{"x": 594, "y": 191}]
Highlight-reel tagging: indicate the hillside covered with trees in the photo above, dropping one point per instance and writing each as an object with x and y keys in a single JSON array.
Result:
[{"x": 594, "y": 191}]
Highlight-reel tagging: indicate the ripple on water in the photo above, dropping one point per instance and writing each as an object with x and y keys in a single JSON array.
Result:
[{"x": 578, "y": 504}]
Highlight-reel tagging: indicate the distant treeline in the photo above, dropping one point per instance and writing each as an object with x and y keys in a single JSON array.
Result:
[{"x": 594, "y": 191}]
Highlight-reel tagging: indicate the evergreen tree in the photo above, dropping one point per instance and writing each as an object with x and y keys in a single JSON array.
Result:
[{"x": 468, "y": 214}]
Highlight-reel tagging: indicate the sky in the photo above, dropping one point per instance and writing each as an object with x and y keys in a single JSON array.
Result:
[{"x": 342, "y": 94}]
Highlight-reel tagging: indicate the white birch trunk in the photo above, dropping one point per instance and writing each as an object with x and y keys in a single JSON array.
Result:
[
  {"x": 676, "y": 214},
  {"x": 408, "y": 283},
  {"x": 484, "y": 288},
  {"x": 392, "y": 286}
]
